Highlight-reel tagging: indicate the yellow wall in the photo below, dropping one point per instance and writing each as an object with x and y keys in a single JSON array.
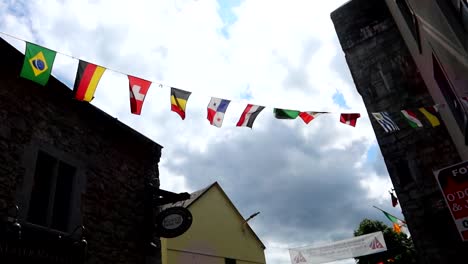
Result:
[
  {"x": 216, "y": 231},
  {"x": 177, "y": 257}
]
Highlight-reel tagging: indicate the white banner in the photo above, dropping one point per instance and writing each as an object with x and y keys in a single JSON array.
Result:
[{"x": 358, "y": 246}]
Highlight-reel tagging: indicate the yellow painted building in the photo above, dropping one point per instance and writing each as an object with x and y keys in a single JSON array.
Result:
[{"x": 218, "y": 235}]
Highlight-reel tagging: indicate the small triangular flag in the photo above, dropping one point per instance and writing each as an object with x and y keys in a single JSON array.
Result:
[{"x": 394, "y": 199}]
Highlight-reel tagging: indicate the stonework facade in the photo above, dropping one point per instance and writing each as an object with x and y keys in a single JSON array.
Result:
[
  {"x": 66, "y": 163},
  {"x": 388, "y": 80}
]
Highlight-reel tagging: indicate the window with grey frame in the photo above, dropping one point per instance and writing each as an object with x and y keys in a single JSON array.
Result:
[
  {"x": 411, "y": 20},
  {"x": 456, "y": 12},
  {"x": 461, "y": 11},
  {"x": 50, "y": 203},
  {"x": 448, "y": 92},
  {"x": 404, "y": 173}
]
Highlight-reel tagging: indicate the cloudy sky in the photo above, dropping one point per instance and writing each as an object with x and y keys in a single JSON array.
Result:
[{"x": 312, "y": 183}]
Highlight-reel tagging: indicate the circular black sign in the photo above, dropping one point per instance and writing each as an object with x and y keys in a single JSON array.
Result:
[{"x": 173, "y": 222}]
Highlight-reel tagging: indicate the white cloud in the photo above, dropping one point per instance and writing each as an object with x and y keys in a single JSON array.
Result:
[{"x": 377, "y": 187}]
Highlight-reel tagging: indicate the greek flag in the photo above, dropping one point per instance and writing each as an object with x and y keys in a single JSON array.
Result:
[{"x": 385, "y": 121}]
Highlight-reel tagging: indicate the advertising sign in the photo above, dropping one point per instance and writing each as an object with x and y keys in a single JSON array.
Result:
[
  {"x": 453, "y": 181},
  {"x": 173, "y": 222},
  {"x": 358, "y": 246}
]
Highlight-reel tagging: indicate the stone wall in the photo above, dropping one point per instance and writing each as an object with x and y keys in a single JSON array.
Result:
[
  {"x": 386, "y": 77},
  {"x": 116, "y": 162}
]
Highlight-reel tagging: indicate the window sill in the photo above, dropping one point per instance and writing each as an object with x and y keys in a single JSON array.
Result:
[{"x": 33, "y": 231}]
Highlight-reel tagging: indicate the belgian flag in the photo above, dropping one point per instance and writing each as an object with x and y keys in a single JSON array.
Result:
[
  {"x": 87, "y": 79},
  {"x": 179, "y": 101}
]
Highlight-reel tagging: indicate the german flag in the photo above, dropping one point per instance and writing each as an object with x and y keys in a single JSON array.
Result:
[
  {"x": 179, "y": 101},
  {"x": 87, "y": 79}
]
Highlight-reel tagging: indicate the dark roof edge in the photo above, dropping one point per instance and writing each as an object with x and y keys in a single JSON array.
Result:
[
  {"x": 341, "y": 6},
  {"x": 202, "y": 192},
  {"x": 93, "y": 108},
  {"x": 125, "y": 126}
]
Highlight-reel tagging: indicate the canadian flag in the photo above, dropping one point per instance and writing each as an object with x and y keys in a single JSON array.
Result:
[
  {"x": 138, "y": 89},
  {"x": 349, "y": 119}
]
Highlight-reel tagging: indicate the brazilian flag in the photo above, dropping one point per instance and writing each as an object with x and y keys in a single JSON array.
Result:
[
  {"x": 38, "y": 63},
  {"x": 285, "y": 113}
]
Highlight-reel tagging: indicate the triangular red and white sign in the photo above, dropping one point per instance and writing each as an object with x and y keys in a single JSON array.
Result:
[
  {"x": 375, "y": 244},
  {"x": 299, "y": 258}
]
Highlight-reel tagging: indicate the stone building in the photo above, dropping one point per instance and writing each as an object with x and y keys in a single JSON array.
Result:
[
  {"x": 388, "y": 79},
  {"x": 436, "y": 35},
  {"x": 66, "y": 164}
]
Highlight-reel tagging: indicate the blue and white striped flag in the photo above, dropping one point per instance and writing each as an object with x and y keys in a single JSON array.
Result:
[{"x": 385, "y": 121}]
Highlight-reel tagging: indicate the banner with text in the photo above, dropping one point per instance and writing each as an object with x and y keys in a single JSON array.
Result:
[{"x": 349, "y": 248}]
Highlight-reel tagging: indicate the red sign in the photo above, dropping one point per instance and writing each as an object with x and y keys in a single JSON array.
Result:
[{"x": 453, "y": 182}]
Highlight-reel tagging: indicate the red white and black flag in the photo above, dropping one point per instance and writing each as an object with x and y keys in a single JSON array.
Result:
[{"x": 249, "y": 115}]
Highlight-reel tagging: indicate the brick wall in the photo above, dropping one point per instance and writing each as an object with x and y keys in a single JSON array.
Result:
[
  {"x": 115, "y": 161},
  {"x": 388, "y": 80}
]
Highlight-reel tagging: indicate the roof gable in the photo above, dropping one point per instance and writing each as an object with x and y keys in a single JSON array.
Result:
[
  {"x": 197, "y": 195},
  {"x": 238, "y": 213}
]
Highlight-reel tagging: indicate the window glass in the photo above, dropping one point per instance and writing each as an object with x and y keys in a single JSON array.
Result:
[
  {"x": 229, "y": 261},
  {"x": 450, "y": 97},
  {"x": 404, "y": 173},
  {"x": 51, "y": 194},
  {"x": 411, "y": 20},
  {"x": 41, "y": 190},
  {"x": 63, "y": 196},
  {"x": 456, "y": 13}
]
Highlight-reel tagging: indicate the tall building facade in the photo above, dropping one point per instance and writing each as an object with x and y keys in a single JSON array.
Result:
[
  {"x": 436, "y": 34},
  {"x": 390, "y": 80}
]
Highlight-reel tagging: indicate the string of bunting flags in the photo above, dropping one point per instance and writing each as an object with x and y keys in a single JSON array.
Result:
[
  {"x": 39, "y": 60},
  {"x": 429, "y": 112}
]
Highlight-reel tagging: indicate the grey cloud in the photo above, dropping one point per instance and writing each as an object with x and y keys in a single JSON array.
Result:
[
  {"x": 379, "y": 166},
  {"x": 301, "y": 191}
]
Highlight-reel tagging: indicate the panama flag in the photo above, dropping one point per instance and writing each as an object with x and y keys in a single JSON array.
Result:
[
  {"x": 248, "y": 116},
  {"x": 349, "y": 119},
  {"x": 216, "y": 110},
  {"x": 138, "y": 89}
]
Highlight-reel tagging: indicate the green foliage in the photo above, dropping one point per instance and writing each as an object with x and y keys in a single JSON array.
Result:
[{"x": 400, "y": 248}]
